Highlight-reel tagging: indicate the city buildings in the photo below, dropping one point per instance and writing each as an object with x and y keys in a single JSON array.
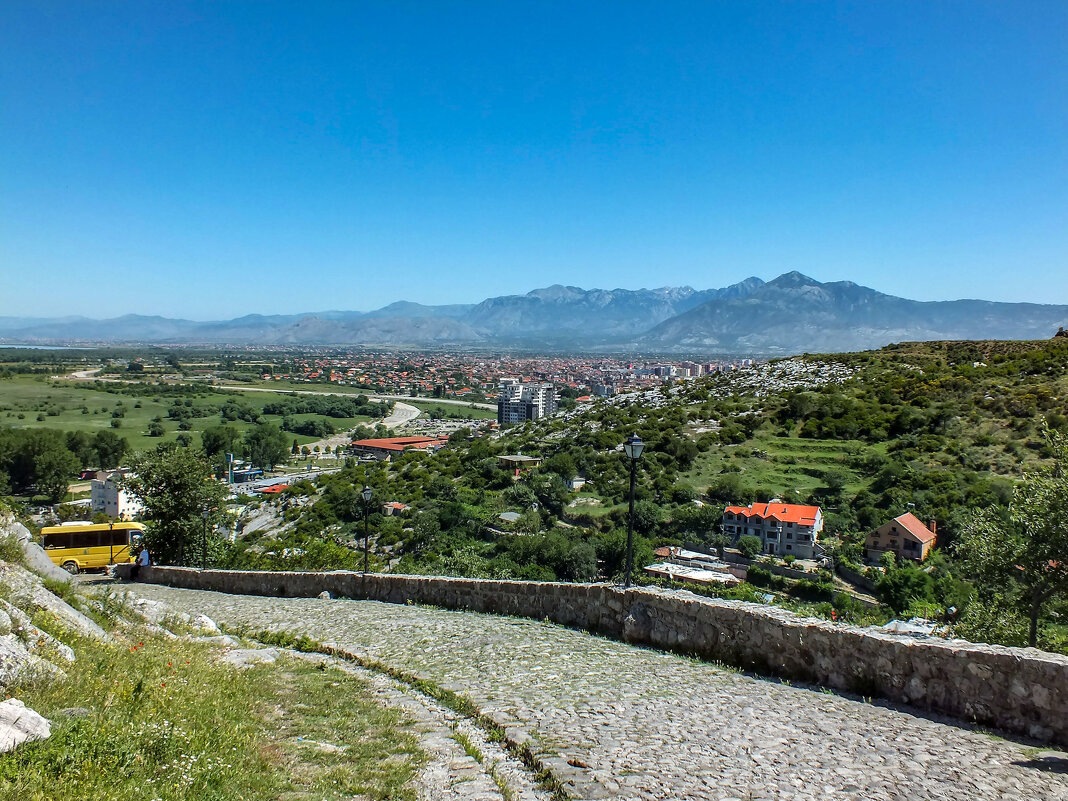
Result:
[
  {"x": 107, "y": 495},
  {"x": 519, "y": 402}
]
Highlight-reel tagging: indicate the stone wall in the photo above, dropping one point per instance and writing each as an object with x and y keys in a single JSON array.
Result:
[{"x": 1019, "y": 690}]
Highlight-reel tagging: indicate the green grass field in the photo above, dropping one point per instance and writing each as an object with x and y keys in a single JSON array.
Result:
[
  {"x": 71, "y": 406},
  {"x": 780, "y": 464},
  {"x": 451, "y": 410},
  {"x": 166, "y": 720}
]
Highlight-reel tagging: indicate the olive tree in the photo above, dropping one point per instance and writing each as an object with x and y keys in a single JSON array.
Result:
[
  {"x": 1021, "y": 559},
  {"x": 176, "y": 488}
]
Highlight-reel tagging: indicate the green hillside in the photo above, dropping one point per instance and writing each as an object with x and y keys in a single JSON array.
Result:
[{"x": 943, "y": 429}]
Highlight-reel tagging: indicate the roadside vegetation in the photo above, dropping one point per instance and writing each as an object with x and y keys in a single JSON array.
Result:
[{"x": 152, "y": 718}]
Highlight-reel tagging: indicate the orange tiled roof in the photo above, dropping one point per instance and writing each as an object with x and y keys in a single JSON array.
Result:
[
  {"x": 400, "y": 443},
  {"x": 914, "y": 526},
  {"x": 783, "y": 512}
]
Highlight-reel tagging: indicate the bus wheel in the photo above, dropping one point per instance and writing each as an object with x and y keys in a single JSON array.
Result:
[{"x": 71, "y": 567}]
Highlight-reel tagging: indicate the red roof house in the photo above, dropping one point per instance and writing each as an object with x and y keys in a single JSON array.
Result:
[
  {"x": 783, "y": 528},
  {"x": 905, "y": 536}
]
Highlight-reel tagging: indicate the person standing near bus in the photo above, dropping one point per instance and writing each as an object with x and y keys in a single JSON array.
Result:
[{"x": 144, "y": 559}]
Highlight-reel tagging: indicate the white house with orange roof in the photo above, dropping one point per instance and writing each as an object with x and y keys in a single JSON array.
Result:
[{"x": 783, "y": 528}]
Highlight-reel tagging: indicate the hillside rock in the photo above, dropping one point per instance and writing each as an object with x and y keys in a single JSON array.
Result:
[
  {"x": 37, "y": 641},
  {"x": 36, "y": 558},
  {"x": 20, "y": 724},
  {"x": 29, "y": 594},
  {"x": 18, "y": 663}
]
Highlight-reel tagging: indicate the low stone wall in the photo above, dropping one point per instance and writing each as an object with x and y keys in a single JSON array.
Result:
[
  {"x": 858, "y": 580},
  {"x": 1020, "y": 690}
]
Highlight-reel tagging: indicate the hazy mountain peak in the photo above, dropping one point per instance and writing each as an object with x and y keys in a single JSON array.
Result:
[
  {"x": 789, "y": 314},
  {"x": 793, "y": 279},
  {"x": 557, "y": 293}
]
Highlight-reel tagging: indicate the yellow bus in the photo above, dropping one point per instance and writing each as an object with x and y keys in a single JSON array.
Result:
[{"x": 91, "y": 546}]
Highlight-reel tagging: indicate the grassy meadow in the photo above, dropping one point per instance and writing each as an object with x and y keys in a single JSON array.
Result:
[{"x": 40, "y": 402}]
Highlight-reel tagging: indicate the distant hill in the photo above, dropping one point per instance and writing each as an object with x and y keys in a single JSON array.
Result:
[
  {"x": 791, "y": 314},
  {"x": 567, "y": 312},
  {"x": 795, "y": 313}
]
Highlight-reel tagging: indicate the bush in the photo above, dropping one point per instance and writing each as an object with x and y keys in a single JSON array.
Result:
[
  {"x": 760, "y": 576},
  {"x": 749, "y": 546}
]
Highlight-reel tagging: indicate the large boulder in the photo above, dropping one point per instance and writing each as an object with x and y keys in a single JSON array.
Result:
[
  {"x": 18, "y": 663},
  {"x": 36, "y": 558},
  {"x": 29, "y": 594},
  {"x": 20, "y": 724},
  {"x": 37, "y": 641}
]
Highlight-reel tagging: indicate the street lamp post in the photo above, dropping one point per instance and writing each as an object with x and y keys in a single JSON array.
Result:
[
  {"x": 367, "y": 493},
  {"x": 633, "y": 447},
  {"x": 204, "y": 540}
]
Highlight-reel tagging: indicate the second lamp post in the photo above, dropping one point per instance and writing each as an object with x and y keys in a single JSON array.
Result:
[
  {"x": 633, "y": 447},
  {"x": 367, "y": 493}
]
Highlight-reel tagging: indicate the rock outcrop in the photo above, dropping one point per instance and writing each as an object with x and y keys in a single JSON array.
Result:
[{"x": 20, "y": 724}]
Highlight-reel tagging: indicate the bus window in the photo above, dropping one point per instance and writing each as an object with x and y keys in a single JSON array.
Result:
[
  {"x": 119, "y": 537},
  {"x": 57, "y": 540}
]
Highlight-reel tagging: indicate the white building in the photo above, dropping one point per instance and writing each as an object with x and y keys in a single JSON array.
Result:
[
  {"x": 108, "y": 496},
  {"x": 783, "y": 528},
  {"x": 518, "y": 402}
]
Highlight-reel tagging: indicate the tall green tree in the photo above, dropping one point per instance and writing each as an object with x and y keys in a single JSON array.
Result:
[
  {"x": 220, "y": 440},
  {"x": 266, "y": 445},
  {"x": 176, "y": 487},
  {"x": 1021, "y": 559},
  {"x": 37, "y": 458},
  {"x": 110, "y": 448}
]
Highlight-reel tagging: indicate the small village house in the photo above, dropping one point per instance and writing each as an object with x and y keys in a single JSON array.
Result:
[{"x": 905, "y": 536}]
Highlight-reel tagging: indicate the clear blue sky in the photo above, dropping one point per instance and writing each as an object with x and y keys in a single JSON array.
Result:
[{"x": 208, "y": 160}]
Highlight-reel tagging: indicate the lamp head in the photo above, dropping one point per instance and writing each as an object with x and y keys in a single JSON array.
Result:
[
  {"x": 367, "y": 492},
  {"x": 633, "y": 447}
]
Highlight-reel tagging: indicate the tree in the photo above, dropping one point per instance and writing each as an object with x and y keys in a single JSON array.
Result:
[
  {"x": 646, "y": 516},
  {"x": 1022, "y": 557},
  {"x": 903, "y": 583},
  {"x": 175, "y": 486},
  {"x": 749, "y": 546},
  {"x": 220, "y": 439},
  {"x": 54, "y": 468},
  {"x": 266, "y": 445},
  {"x": 110, "y": 448}
]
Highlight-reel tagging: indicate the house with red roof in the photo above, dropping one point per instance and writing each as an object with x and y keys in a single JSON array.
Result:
[
  {"x": 385, "y": 449},
  {"x": 783, "y": 528},
  {"x": 905, "y": 536}
]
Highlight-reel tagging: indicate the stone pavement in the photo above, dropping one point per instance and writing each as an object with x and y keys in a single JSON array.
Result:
[
  {"x": 452, "y": 772},
  {"x": 620, "y": 722}
]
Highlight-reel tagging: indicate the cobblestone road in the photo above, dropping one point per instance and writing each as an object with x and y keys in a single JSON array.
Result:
[{"x": 630, "y": 723}]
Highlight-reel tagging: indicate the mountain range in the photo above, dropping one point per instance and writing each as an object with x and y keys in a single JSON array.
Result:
[{"x": 790, "y": 314}]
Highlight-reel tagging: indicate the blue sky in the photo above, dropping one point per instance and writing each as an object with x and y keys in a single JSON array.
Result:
[{"x": 208, "y": 160}]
